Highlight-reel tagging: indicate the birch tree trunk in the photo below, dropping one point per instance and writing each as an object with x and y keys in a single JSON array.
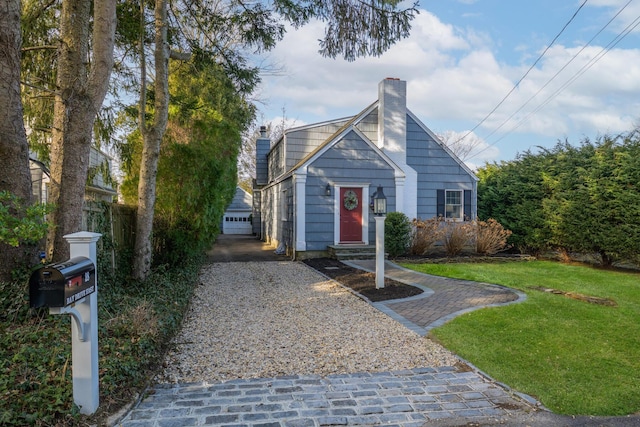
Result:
[
  {"x": 152, "y": 138},
  {"x": 80, "y": 92},
  {"x": 14, "y": 150}
]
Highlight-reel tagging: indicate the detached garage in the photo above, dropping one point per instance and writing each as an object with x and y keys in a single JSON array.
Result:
[{"x": 237, "y": 217}]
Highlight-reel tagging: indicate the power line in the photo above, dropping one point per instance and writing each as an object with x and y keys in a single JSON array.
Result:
[
  {"x": 525, "y": 74},
  {"x": 558, "y": 72},
  {"x": 632, "y": 26}
]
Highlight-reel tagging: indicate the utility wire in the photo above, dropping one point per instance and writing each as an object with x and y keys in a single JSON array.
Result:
[
  {"x": 632, "y": 26},
  {"x": 557, "y": 73},
  {"x": 525, "y": 74}
]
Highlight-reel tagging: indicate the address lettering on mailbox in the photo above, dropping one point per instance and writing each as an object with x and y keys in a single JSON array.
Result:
[{"x": 74, "y": 293}]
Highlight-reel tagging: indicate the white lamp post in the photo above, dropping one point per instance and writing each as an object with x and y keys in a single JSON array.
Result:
[{"x": 379, "y": 211}]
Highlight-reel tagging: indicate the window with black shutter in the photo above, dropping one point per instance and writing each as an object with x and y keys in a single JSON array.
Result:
[{"x": 453, "y": 204}]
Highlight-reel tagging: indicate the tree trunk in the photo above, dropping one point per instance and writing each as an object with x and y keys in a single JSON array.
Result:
[
  {"x": 151, "y": 138},
  {"x": 14, "y": 150},
  {"x": 79, "y": 96},
  {"x": 607, "y": 260}
]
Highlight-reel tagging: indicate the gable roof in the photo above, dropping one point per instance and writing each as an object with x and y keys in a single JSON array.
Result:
[
  {"x": 438, "y": 141},
  {"x": 334, "y": 138},
  {"x": 350, "y": 125},
  {"x": 337, "y": 137},
  {"x": 242, "y": 201}
]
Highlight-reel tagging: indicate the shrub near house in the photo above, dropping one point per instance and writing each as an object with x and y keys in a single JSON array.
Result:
[
  {"x": 397, "y": 232},
  {"x": 485, "y": 237}
]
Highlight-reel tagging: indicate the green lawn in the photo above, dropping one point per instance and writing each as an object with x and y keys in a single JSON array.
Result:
[{"x": 575, "y": 357}]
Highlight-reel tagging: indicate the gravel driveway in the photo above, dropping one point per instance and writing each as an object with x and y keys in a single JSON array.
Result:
[{"x": 268, "y": 319}]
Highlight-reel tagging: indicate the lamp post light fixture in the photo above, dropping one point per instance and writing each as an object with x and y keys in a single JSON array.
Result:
[
  {"x": 380, "y": 212},
  {"x": 379, "y": 202}
]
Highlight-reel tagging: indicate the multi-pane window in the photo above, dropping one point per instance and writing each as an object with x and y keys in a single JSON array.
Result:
[
  {"x": 284, "y": 205},
  {"x": 453, "y": 204}
]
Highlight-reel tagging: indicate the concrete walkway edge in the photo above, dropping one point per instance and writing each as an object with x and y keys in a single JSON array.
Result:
[{"x": 427, "y": 292}]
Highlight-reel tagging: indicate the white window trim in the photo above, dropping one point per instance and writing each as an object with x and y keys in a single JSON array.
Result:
[{"x": 461, "y": 192}]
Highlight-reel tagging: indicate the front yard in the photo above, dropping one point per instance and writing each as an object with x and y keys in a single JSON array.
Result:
[{"x": 576, "y": 354}]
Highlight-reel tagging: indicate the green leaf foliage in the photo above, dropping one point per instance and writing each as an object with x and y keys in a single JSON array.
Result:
[
  {"x": 397, "y": 234},
  {"x": 197, "y": 166},
  {"x": 582, "y": 198},
  {"x": 136, "y": 321},
  {"x": 354, "y": 28},
  {"x": 39, "y": 22},
  {"x": 19, "y": 223},
  {"x": 512, "y": 193}
]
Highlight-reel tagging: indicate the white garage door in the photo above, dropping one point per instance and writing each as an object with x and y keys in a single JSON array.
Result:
[{"x": 236, "y": 224}]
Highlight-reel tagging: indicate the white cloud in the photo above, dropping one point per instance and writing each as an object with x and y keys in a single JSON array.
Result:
[
  {"x": 626, "y": 16},
  {"x": 455, "y": 78}
]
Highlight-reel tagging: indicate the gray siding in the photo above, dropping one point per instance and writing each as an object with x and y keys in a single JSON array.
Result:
[
  {"x": 256, "y": 214},
  {"x": 436, "y": 170},
  {"x": 369, "y": 126},
  {"x": 288, "y": 216},
  {"x": 300, "y": 143},
  {"x": 350, "y": 160},
  {"x": 276, "y": 161},
  {"x": 241, "y": 201},
  {"x": 277, "y": 213}
]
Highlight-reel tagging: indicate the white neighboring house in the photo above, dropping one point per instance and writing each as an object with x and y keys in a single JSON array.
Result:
[
  {"x": 237, "y": 217},
  {"x": 99, "y": 189}
]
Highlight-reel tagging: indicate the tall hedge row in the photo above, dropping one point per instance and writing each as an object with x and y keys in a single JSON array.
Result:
[{"x": 583, "y": 198}]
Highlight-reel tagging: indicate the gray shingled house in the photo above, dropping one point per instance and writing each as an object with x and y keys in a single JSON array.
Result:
[{"x": 313, "y": 186}]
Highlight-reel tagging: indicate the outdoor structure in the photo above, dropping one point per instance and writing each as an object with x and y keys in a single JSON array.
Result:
[
  {"x": 99, "y": 187},
  {"x": 314, "y": 185},
  {"x": 237, "y": 217}
]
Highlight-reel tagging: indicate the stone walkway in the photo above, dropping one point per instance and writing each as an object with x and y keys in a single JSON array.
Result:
[
  {"x": 442, "y": 299},
  {"x": 408, "y": 398}
]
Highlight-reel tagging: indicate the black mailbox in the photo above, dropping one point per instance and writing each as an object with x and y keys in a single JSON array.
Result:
[{"x": 62, "y": 284}]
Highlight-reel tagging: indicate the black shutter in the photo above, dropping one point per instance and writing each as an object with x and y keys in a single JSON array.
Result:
[
  {"x": 440, "y": 204},
  {"x": 467, "y": 206}
]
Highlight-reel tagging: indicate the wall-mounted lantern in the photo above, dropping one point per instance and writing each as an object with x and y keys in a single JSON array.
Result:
[{"x": 327, "y": 190}]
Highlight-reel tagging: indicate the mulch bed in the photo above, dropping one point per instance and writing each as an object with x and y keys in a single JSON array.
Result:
[{"x": 361, "y": 281}]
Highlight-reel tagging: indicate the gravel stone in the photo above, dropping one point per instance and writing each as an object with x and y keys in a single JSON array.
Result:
[{"x": 273, "y": 319}]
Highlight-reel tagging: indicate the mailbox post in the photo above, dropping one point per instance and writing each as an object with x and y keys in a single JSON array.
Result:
[
  {"x": 84, "y": 354},
  {"x": 71, "y": 287}
]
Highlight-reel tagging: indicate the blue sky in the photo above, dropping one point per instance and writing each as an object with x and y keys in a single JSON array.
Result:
[{"x": 463, "y": 57}]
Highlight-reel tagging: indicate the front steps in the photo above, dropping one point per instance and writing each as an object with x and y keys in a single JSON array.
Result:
[{"x": 347, "y": 252}]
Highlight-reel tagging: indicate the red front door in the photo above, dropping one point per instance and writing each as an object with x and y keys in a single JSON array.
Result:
[{"x": 351, "y": 215}]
